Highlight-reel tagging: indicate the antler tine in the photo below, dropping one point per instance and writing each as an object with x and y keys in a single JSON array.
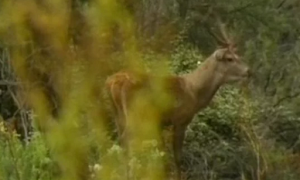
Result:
[
  {"x": 216, "y": 37},
  {"x": 224, "y": 32},
  {"x": 223, "y": 39},
  {"x": 209, "y": 30}
]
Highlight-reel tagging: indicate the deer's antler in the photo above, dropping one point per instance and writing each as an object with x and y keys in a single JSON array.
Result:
[
  {"x": 218, "y": 38},
  {"x": 224, "y": 40},
  {"x": 228, "y": 41}
]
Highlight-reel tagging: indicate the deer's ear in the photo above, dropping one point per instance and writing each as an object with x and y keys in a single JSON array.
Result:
[{"x": 219, "y": 55}]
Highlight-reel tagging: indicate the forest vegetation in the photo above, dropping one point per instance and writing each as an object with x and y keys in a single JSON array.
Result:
[{"x": 56, "y": 121}]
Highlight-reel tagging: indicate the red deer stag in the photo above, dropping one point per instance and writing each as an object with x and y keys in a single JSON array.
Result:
[{"x": 193, "y": 91}]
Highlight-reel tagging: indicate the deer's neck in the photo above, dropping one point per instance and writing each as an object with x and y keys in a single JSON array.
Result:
[{"x": 204, "y": 81}]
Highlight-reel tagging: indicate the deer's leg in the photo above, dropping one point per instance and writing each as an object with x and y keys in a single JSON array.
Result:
[
  {"x": 120, "y": 119},
  {"x": 124, "y": 134},
  {"x": 178, "y": 137},
  {"x": 120, "y": 122},
  {"x": 167, "y": 145}
]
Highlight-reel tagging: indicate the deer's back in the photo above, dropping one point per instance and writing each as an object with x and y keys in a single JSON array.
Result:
[{"x": 127, "y": 84}]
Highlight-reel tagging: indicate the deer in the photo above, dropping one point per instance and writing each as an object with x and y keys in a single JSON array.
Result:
[{"x": 193, "y": 91}]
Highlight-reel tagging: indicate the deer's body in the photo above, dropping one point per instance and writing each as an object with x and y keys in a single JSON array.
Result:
[{"x": 192, "y": 91}]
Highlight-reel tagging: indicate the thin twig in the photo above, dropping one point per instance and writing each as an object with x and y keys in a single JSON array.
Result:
[
  {"x": 280, "y": 4},
  {"x": 9, "y": 83},
  {"x": 285, "y": 98},
  {"x": 242, "y": 8},
  {"x": 22, "y": 114}
]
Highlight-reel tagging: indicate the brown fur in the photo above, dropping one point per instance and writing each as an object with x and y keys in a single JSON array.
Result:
[{"x": 192, "y": 91}]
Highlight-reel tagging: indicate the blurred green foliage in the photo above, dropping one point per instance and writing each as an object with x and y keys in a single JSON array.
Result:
[{"x": 57, "y": 55}]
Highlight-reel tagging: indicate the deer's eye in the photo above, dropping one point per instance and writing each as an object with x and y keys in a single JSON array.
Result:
[{"x": 229, "y": 59}]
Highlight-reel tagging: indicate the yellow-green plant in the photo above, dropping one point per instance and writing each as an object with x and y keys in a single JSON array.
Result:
[{"x": 69, "y": 50}]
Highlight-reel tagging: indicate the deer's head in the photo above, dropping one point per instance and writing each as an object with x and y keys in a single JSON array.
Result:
[{"x": 228, "y": 63}]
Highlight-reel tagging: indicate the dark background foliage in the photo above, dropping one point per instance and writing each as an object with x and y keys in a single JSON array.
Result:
[{"x": 240, "y": 136}]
